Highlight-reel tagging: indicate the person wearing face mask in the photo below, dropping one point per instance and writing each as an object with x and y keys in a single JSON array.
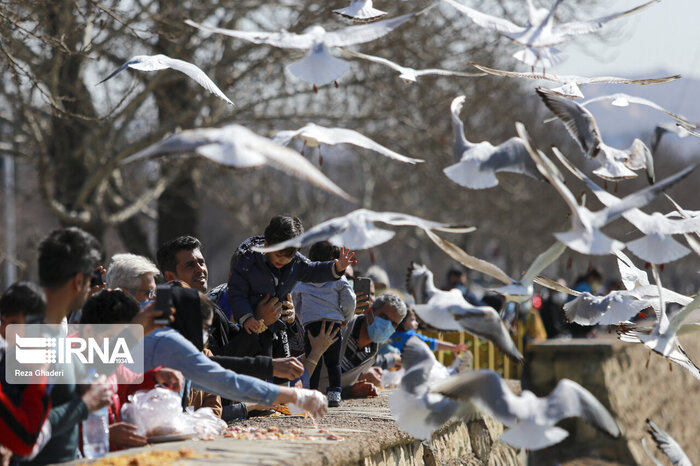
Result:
[
  {"x": 552, "y": 314},
  {"x": 361, "y": 338}
]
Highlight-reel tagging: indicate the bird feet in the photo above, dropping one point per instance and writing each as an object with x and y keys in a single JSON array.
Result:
[{"x": 315, "y": 89}]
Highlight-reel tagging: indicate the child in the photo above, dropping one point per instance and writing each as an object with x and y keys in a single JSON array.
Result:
[
  {"x": 407, "y": 329},
  {"x": 318, "y": 302},
  {"x": 260, "y": 284},
  {"x": 21, "y": 303}
]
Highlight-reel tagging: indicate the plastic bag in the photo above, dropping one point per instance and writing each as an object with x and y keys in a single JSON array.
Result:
[
  {"x": 204, "y": 422},
  {"x": 156, "y": 413}
]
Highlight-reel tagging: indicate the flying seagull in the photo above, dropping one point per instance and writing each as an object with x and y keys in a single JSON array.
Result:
[
  {"x": 411, "y": 75},
  {"x": 238, "y": 147},
  {"x": 357, "y": 230},
  {"x": 569, "y": 83},
  {"x": 161, "y": 62},
  {"x": 314, "y": 135},
  {"x": 615, "y": 164},
  {"x": 585, "y": 235},
  {"x": 540, "y": 33},
  {"x": 657, "y": 245},
  {"x": 662, "y": 129},
  {"x": 624, "y": 100},
  {"x": 360, "y": 11},
  {"x": 531, "y": 420},
  {"x": 319, "y": 66},
  {"x": 479, "y": 162},
  {"x": 667, "y": 445},
  {"x": 448, "y": 310}
]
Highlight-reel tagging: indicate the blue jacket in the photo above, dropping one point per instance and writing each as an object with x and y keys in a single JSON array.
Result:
[{"x": 252, "y": 278}]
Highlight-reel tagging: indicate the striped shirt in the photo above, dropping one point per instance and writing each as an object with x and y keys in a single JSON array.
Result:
[{"x": 354, "y": 355}]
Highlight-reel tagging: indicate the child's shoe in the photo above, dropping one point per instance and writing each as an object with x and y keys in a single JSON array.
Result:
[{"x": 333, "y": 398}]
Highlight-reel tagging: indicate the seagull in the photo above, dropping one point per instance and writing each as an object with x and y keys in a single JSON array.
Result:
[
  {"x": 515, "y": 290},
  {"x": 693, "y": 241},
  {"x": 411, "y": 75},
  {"x": 416, "y": 409},
  {"x": 319, "y": 66},
  {"x": 479, "y": 162},
  {"x": 662, "y": 339},
  {"x": 667, "y": 445},
  {"x": 360, "y": 11},
  {"x": 531, "y": 420},
  {"x": 662, "y": 129},
  {"x": 448, "y": 310},
  {"x": 616, "y": 164},
  {"x": 657, "y": 245},
  {"x": 540, "y": 34},
  {"x": 237, "y": 146},
  {"x": 161, "y": 62},
  {"x": 615, "y": 308},
  {"x": 631, "y": 276},
  {"x": 357, "y": 231},
  {"x": 624, "y": 100},
  {"x": 585, "y": 235},
  {"x": 314, "y": 135},
  {"x": 570, "y": 84}
]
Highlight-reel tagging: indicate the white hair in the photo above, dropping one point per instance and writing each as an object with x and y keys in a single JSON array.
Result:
[
  {"x": 392, "y": 300},
  {"x": 126, "y": 269}
]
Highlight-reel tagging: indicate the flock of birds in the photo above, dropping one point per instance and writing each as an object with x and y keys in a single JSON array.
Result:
[{"x": 428, "y": 396}]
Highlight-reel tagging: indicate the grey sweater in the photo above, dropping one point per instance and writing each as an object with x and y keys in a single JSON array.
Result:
[{"x": 333, "y": 301}]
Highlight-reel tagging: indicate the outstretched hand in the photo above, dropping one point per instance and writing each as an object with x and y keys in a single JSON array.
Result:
[{"x": 347, "y": 257}]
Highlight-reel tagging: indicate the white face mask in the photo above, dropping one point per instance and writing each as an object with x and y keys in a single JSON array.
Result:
[{"x": 205, "y": 336}]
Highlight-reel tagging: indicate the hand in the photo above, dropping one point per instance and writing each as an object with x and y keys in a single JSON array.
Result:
[
  {"x": 346, "y": 258},
  {"x": 327, "y": 335},
  {"x": 125, "y": 434},
  {"x": 362, "y": 390},
  {"x": 171, "y": 378},
  {"x": 95, "y": 289},
  {"x": 5, "y": 456},
  {"x": 288, "y": 311},
  {"x": 252, "y": 325},
  {"x": 268, "y": 310},
  {"x": 362, "y": 303},
  {"x": 459, "y": 348},
  {"x": 98, "y": 395},
  {"x": 287, "y": 368},
  {"x": 373, "y": 376},
  {"x": 311, "y": 401},
  {"x": 147, "y": 315}
]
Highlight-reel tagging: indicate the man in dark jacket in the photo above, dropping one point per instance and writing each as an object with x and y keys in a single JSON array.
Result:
[{"x": 260, "y": 284}]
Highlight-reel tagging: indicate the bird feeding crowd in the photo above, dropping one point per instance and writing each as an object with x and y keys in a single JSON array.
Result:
[{"x": 230, "y": 350}]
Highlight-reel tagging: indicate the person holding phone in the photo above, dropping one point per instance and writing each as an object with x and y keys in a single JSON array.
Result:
[{"x": 332, "y": 302}]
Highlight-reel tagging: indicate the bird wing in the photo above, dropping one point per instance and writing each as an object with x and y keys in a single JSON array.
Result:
[
  {"x": 668, "y": 445},
  {"x": 399, "y": 219},
  {"x": 121, "y": 68},
  {"x": 435, "y": 314},
  {"x": 569, "y": 399},
  {"x": 321, "y": 232},
  {"x": 677, "y": 320},
  {"x": 542, "y": 262},
  {"x": 514, "y": 74},
  {"x": 375, "y": 59},
  {"x": 484, "y": 322},
  {"x": 284, "y": 137},
  {"x": 441, "y": 72},
  {"x": 184, "y": 141},
  {"x": 618, "y": 80},
  {"x": 418, "y": 362},
  {"x": 650, "y": 454},
  {"x": 556, "y": 286},
  {"x": 630, "y": 99},
  {"x": 282, "y": 39},
  {"x": 469, "y": 261},
  {"x": 487, "y": 21},
  {"x": 577, "y": 120},
  {"x": 592, "y": 25},
  {"x": 586, "y": 309},
  {"x": 460, "y": 143},
  {"x": 352, "y": 35},
  {"x": 511, "y": 156},
  {"x": 198, "y": 75},
  {"x": 631, "y": 275},
  {"x": 347, "y": 136}
]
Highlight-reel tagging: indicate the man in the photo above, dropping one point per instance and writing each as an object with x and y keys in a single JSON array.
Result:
[
  {"x": 457, "y": 278},
  {"x": 361, "y": 339},
  {"x": 181, "y": 260},
  {"x": 133, "y": 274}
]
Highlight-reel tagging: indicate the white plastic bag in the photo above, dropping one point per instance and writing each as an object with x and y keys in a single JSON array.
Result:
[
  {"x": 204, "y": 422},
  {"x": 156, "y": 413}
]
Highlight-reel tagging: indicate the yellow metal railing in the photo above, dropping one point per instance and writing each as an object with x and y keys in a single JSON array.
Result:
[{"x": 485, "y": 354}]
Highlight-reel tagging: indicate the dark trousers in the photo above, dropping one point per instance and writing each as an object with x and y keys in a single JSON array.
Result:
[{"x": 331, "y": 358}]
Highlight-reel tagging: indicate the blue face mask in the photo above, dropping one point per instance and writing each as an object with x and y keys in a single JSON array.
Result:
[
  {"x": 380, "y": 330},
  {"x": 143, "y": 304}
]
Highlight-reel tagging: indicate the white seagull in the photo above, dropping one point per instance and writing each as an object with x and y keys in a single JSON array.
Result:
[
  {"x": 585, "y": 235},
  {"x": 693, "y": 240},
  {"x": 624, "y": 100},
  {"x": 615, "y": 164},
  {"x": 161, "y": 62},
  {"x": 319, "y": 66},
  {"x": 615, "y": 308},
  {"x": 657, "y": 245},
  {"x": 314, "y": 135},
  {"x": 662, "y": 129},
  {"x": 238, "y": 147},
  {"x": 448, "y": 310},
  {"x": 531, "y": 420},
  {"x": 570, "y": 84},
  {"x": 540, "y": 34},
  {"x": 479, "y": 162},
  {"x": 415, "y": 408},
  {"x": 360, "y": 11},
  {"x": 667, "y": 445},
  {"x": 411, "y": 75},
  {"x": 357, "y": 230}
]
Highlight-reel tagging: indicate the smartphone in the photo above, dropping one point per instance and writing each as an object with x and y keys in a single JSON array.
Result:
[
  {"x": 362, "y": 285},
  {"x": 164, "y": 301},
  {"x": 96, "y": 278}
]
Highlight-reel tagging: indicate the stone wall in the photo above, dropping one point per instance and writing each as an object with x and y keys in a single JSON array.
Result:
[{"x": 616, "y": 374}]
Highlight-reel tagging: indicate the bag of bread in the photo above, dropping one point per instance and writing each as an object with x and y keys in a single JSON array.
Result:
[
  {"x": 204, "y": 422},
  {"x": 156, "y": 413}
]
